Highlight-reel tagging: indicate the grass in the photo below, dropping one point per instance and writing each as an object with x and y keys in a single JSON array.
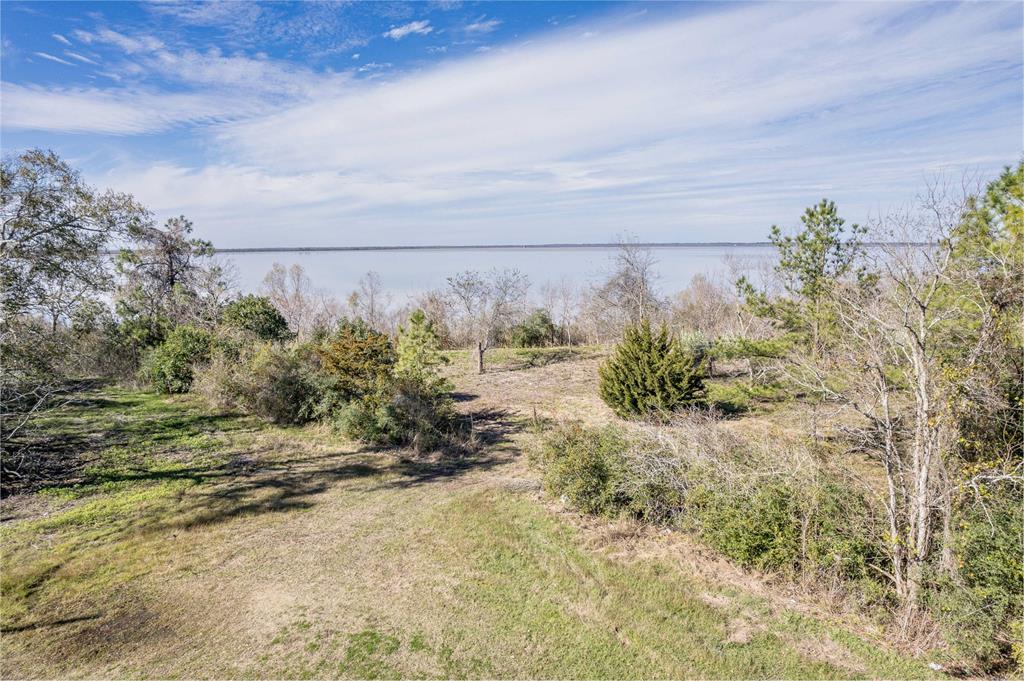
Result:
[{"x": 197, "y": 544}]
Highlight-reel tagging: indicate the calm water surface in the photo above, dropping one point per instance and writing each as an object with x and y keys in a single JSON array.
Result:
[{"x": 407, "y": 273}]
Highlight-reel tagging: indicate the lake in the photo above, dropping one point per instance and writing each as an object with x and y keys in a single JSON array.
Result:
[{"x": 407, "y": 273}]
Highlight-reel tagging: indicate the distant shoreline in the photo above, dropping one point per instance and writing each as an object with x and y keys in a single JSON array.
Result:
[
  {"x": 489, "y": 247},
  {"x": 516, "y": 247},
  {"x": 519, "y": 247}
]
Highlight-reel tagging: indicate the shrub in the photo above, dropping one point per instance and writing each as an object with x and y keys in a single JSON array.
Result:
[
  {"x": 169, "y": 366},
  {"x": 273, "y": 381},
  {"x": 650, "y": 374},
  {"x": 758, "y": 527},
  {"x": 397, "y": 400},
  {"x": 404, "y": 412},
  {"x": 356, "y": 361},
  {"x": 843, "y": 534},
  {"x": 980, "y": 607},
  {"x": 280, "y": 389},
  {"x": 257, "y": 316},
  {"x": 536, "y": 331},
  {"x": 586, "y": 466},
  {"x": 738, "y": 505}
]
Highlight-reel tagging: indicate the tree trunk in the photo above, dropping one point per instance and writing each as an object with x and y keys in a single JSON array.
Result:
[{"x": 479, "y": 357}]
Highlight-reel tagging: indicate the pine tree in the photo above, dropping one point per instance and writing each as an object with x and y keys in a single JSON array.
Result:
[
  {"x": 419, "y": 351},
  {"x": 651, "y": 374}
]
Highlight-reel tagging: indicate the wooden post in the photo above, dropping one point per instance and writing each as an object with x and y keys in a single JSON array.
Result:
[{"x": 479, "y": 357}]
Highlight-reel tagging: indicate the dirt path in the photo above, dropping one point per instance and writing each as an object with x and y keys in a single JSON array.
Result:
[{"x": 254, "y": 551}]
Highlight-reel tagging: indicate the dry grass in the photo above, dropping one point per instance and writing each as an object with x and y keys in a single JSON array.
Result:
[{"x": 208, "y": 545}]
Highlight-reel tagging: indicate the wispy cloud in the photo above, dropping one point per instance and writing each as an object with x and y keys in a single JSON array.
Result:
[
  {"x": 675, "y": 130},
  {"x": 80, "y": 57},
  {"x": 60, "y": 39},
  {"x": 130, "y": 45},
  {"x": 52, "y": 58},
  {"x": 413, "y": 27},
  {"x": 122, "y": 112},
  {"x": 482, "y": 25}
]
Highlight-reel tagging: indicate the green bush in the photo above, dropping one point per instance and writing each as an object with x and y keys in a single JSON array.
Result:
[
  {"x": 404, "y": 412},
  {"x": 279, "y": 385},
  {"x": 273, "y": 381},
  {"x": 169, "y": 366},
  {"x": 356, "y": 361},
  {"x": 650, "y": 374},
  {"x": 257, "y": 316},
  {"x": 844, "y": 536},
  {"x": 761, "y": 521},
  {"x": 757, "y": 528},
  {"x": 981, "y": 606},
  {"x": 399, "y": 400},
  {"x": 586, "y": 466},
  {"x": 536, "y": 331}
]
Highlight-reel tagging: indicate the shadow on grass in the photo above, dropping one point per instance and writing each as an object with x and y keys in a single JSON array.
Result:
[
  {"x": 52, "y": 623},
  {"x": 532, "y": 358},
  {"x": 67, "y": 442}
]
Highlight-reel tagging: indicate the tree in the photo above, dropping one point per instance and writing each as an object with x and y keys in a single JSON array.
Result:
[
  {"x": 257, "y": 316},
  {"x": 55, "y": 229},
  {"x": 370, "y": 302},
  {"x": 630, "y": 291},
  {"x": 810, "y": 263},
  {"x": 307, "y": 311},
  {"x": 488, "y": 305},
  {"x": 650, "y": 374},
  {"x": 910, "y": 355},
  {"x": 168, "y": 279},
  {"x": 54, "y": 232},
  {"x": 419, "y": 352},
  {"x": 562, "y": 300},
  {"x": 705, "y": 307}
]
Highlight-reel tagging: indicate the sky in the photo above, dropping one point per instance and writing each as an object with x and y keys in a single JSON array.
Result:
[{"x": 324, "y": 123}]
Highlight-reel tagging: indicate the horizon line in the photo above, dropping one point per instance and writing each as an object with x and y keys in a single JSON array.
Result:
[{"x": 495, "y": 247}]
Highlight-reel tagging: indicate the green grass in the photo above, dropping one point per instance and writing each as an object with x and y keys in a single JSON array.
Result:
[
  {"x": 513, "y": 359},
  {"x": 197, "y": 544}
]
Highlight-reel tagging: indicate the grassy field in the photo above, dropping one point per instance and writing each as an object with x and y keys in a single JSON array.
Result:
[{"x": 187, "y": 543}]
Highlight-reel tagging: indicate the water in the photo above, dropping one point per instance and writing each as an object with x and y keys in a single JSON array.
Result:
[{"x": 407, "y": 273}]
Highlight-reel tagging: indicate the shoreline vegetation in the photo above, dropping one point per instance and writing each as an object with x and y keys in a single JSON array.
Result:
[
  {"x": 610, "y": 245},
  {"x": 813, "y": 469}
]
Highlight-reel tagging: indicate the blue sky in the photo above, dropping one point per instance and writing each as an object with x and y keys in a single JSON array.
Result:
[{"x": 450, "y": 122}]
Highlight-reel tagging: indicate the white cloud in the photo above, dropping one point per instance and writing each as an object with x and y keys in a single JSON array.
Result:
[
  {"x": 124, "y": 112},
  {"x": 676, "y": 130},
  {"x": 128, "y": 44},
  {"x": 483, "y": 25},
  {"x": 61, "y": 39},
  {"x": 413, "y": 27},
  {"x": 52, "y": 58},
  {"x": 80, "y": 57}
]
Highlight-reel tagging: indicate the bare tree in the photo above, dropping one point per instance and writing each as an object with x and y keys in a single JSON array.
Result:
[
  {"x": 629, "y": 293},
  {"x": 370, "y": 302},
  {"x": 562, "y": 301},
  {"x": 706, "y": 307},
  {"x": 307, "y": 310},
  {"x": 889, "y": 364},
  {"x": 437, "y": 306},
  {"x": 488, "y": 304}
]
